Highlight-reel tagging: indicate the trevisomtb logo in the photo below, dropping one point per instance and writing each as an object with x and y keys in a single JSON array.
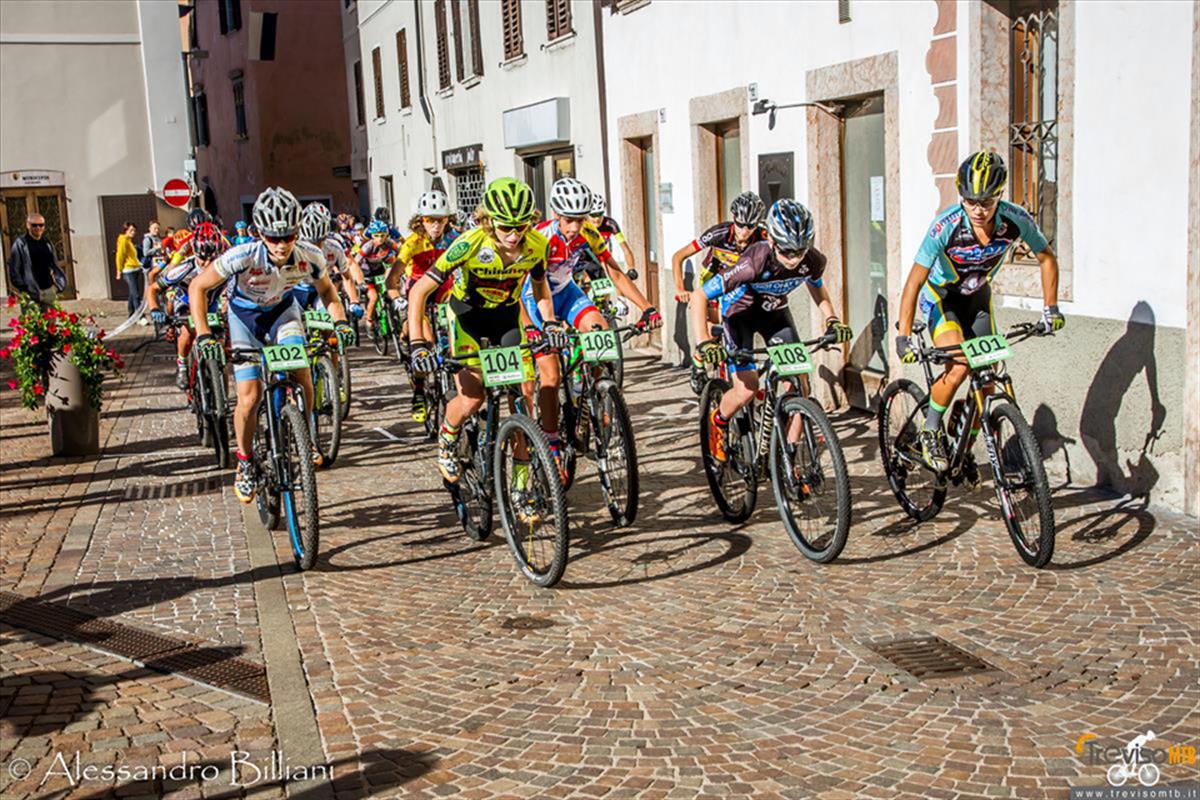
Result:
[{"x": 1134, "y": 761}]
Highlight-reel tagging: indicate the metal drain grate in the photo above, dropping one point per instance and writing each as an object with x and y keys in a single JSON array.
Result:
[
  {"x": 211, "y": 664},
  {"x": 930, "y": 657},
  {"x": 527, "y": 623},
  {"x": 163, "y": 491}
]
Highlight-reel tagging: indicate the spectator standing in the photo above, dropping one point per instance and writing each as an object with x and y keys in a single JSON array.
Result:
[
  {"x": 129, "y": 268},
  {"x": 32, "y": 265},
  {"x": 151, "y": 245}
]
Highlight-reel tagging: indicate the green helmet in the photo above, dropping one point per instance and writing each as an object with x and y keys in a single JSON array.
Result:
[{"x": 508, "y": 201}]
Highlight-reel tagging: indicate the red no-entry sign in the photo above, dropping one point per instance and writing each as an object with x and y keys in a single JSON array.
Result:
[{"x": 177, "y": 192}]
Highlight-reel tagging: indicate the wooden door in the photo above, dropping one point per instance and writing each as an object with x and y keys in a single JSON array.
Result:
[
  {"x": 51, "y": 203},
  {"x": 116, "y": 209}
]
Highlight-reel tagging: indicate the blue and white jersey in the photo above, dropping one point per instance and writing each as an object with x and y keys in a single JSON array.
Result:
[
  {"x": 258, "y": 282},
  {"x": 335, "y": 255},
  {"x": 956, "y": 259},
  {"x": 758, "y": 283}
]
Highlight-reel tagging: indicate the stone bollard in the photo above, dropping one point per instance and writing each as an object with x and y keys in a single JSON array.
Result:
[{"x": 74, "y": 424}]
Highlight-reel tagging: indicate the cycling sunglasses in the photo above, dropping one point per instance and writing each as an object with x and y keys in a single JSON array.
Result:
[
  {"x": 506, "y": 229},
  {"x": 782, "y": 253},
  {"x": 434, "y": 220},
  {"x": 291, "y": 237}
]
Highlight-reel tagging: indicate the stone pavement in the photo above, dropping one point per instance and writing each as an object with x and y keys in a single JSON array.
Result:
[{"x": 679, "y": 657}]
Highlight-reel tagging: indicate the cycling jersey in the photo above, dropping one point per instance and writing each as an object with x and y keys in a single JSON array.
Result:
[
  {"x": 257, "y": 283},
  {"x": 563, "y": 257},
  {"x": 335, "y": 256},
  {"x": 723, "y": 249},
  {"x": 178, "y": 277},
  {"x": 481, "y": 278},
  {"x": 610, "y": 230},
  {"x": 419, "y": 254},
  {"x": 237, "y": 240},
  {"x": 761, "y": 284},
  {"x": 377, "y": 256},
  {"x": 956, "y": 259}
]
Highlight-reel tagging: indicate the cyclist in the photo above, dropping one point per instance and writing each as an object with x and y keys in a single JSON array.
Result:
[
  {"x": 608, "y": 227},
  {"x": 489, "y": 265},
  {"x": 726, "y": 241},
  {"x": 951, "y": 281},
  {"x": 432, "y": 235},
  {"x": 753, "y": 297},
  {"x": 183, "y": 241},
  {"x": 374, "y": 257},
  {"x": 207, "y": 244},
  {"x": 572, "y": 239},
  {"x": 262, "y": 310},
  {"x": 241, "y": 233},
  {"x": 315, "y": 222},
  {"x": 384, "y": 215}
]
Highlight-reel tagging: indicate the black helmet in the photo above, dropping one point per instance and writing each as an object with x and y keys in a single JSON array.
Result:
[
  {"x": 982, "y": 176},
  {"x": 383, "y": 215},
  {"x": 196, "y": 217},
  {"x": 747, "y": 209}
]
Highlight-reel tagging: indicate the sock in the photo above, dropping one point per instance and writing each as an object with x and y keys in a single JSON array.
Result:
[
  {"x": 179, "y": 362},
  {"x": 418, "y": 385},
  {"x": 242, "y": 456},
  {"x": 718, "y": 419},
  {"x": 696, "y": 362},
  {"x": 552, "y": 437},
  {"x": 449, "y": 433},
  {"x": 934, "y": 420}
]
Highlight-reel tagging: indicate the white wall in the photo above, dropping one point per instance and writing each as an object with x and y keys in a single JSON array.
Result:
[
  {"x": 1132, "y": 105},
  {"x": 166, "y": 98}
]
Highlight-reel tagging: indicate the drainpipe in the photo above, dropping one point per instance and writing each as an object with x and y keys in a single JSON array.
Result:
[
  {"x": 601, "y": 91},
  {"x": 426, "y": 106}
]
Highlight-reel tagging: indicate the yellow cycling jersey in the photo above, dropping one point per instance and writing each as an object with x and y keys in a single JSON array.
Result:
[{"x": 481, "y": 278}]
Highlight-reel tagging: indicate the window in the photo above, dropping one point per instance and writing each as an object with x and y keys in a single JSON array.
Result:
[
  {"x": 456, "y": 14},
  {"x": 443, "y": 46},
  {"x": 229, "y": 13},
  {"x": 1033, "y": 132},
  {"x": 543, "y": 169},
  {"x": 385, "y": 193},
  {"x": 476, "y": 42},
  {"x": 468, "y": 188},
  {"x": 727, "y": 152},
  {"x": 239, "y": 108},
  {"x": 377, "y": 66},
  {"x": 360, "y": 105},
  {"x": 558, "y": 18},
  {"x": 200, "y": 104},
  {"x": 514, "y": 42},
  {"x": 402, "y": 60}
]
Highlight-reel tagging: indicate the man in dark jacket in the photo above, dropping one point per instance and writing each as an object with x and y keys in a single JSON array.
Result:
[{"x": 32, "y": 266}]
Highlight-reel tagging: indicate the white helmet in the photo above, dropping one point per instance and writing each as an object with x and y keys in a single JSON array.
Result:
[
  {"x": 314, "y": 223},
  {"x": 276, "y": 212},
  {"x": 570, "y": 197},
  {"x": 433, "y": 204},
  {"x": 599, "y": 207}
]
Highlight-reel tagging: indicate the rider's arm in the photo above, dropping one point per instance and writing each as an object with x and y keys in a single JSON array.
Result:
[
  {"x": 394, "y": 274},
  {"x": 688, "y": 250},
  {"x": 348, "y": 279},
  {"x": 198, "y": 291},
  {"x": 627, "y": 251},
  {"x": 421, "y": 292},
  {"x": 820, "y": 296},
  {"x": 152, "y": 288},
  {"x": 908, "y": 298},
  {"x": 541, "y": 295},
  {"x": 1049, "y": 265},
  {"x": 626, "y": 287},
  {"x": 329, "y": 296}
]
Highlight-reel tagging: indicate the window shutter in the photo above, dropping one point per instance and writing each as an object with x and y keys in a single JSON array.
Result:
[
  {"x": 377, "y": 66},
  {"x": 558, "y": 18},
  {"x": 456, "y": 15},
  {"x": 476, "y": 42},
  {"x": 402, "y": 60},
  {"x": 514, "y": 44},
  {"x": 843, "y": 11},
  {"x": 360, "y": 105},
  {"x": 443, "y": 45},
  {"x": 235, "y": 15}
]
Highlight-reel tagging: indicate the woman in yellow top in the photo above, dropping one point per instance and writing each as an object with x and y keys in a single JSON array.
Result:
[{"x": 129, "y": 268}]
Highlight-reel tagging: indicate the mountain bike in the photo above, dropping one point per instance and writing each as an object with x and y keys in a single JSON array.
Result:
[
  {"x": 343, "y": 361},
  {"x": 386, "y": 326},
  {"x": 283, "y": 452},
  {"x": 510, "y": 459},
  {"x": 1013, "y": 452},
  {"x": 439, "y": 386},
  {"x": 207, "y": 392},
  {"x": 593, "y": 279},
  {"x": 786, "y": 435},
  {"x": 595, "y": 421},
  {"x": 326, "y": 417}
]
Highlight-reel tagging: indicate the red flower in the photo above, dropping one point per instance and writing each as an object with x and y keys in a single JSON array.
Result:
[
  {"x": 51, "y": 329},
  {"x": 66, "y": 349},
  {"x": 120, "y": 363},
  {"x": 4, "y": 352},
  {"x": 12, "y": 300},
  {"x": 33, "y": 340},
  {"x": 73, "y": 317},
  {"x": 99, "y": 350},
  {"x": 12, "y": 323},
  {"x": 101, "y": 334},
  {"x": 37, "y": 389},
  {"x": 12, "y": 384}
]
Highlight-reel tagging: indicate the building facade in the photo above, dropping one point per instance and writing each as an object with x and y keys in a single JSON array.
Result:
[
  {"x": 267, "y": 98},
  {"x": 456, "y": 93},
  {"x": 352, "y": 52},
  {"x": 94, "y": 122}
]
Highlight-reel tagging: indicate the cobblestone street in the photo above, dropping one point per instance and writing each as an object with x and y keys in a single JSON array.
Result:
[{"x": 678, "y": 657}]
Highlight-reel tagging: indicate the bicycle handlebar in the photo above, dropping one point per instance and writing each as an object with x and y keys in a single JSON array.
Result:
[
  {"x": 1015, "y": 334},
  {"x": 748, "y": 356}
]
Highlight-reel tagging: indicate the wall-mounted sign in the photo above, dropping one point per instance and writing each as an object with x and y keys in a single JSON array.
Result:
[
  {"x": 666, "y": 198},
  {"x": 876, "y": 198},
  {"x": 546, "y": 122},
  {"x": 31, "y": 177},
  {"x": 462, "y": 157}
]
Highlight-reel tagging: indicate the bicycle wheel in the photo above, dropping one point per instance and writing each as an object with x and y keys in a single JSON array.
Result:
[
  {"x": 195, "y": 402},
  {"x": 267, "y": 492},
  {"x": 1021, "y": 485},
  {"x": 618, "y": 366},
  {"x": 298, "y": 487},
  {"x": 533, "y": 509},
  {"x": 569, "y": 424},
  {"x": 213, "y": 381},
  {"x": 616, "y": 452},
  {"x": 327, "y": 416},
  {"x": 344, "y": 386},
  {"x": 472, "y": 496},
  {"x": 378, "y": 339},
  {"x": 902, "y": 410},
  {"x": 808, "y": 474},
  {"x": 732, "y": 481},
  {"x": 434, "y": 407}
]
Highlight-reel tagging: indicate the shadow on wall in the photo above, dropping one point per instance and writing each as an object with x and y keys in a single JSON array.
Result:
[
  {"x": 1130, "y": 355},
  {"x": 680, "y": 334}
]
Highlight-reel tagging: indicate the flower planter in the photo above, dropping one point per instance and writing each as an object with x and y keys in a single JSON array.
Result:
[{"x": 74, "y": 424}]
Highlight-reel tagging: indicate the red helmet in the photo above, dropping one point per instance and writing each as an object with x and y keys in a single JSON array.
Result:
[{"x": 207, "y": 241}]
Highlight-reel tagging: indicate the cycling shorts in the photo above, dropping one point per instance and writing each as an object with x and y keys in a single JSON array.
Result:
[
  {"x": 438, "y": 296},
  {"x": 740, "y": 330},
  {"x": 969, "y": 314},
  {"x": 306, "y": 296},
  {"x": 469, "y": 326},
  {"x": 570, "y": 305},
  {"x": 256, "y": 327}
]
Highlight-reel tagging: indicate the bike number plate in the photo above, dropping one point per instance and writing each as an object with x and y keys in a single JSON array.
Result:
[
  {"x": 318, "y": 320},
  {"x": 284, "y": 357},
  {"x": 442, "y": 319},
  {"x": 986, "y": 350},
  {"x": 380, "y": 281},
  {"x": 599, "y": 346},
  {"x": 602, "y": 286},
  {"x": 791, "y": 359},
  {"x": 214, "y": 319},
  {"x": 502, "y": 366}
]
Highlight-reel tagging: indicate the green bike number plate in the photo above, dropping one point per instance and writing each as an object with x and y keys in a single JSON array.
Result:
[
  {"x": 502, "y": 366},
  {"x": 442, "y": 315},
  {"x": 318, "y": 320},
  {"x": 214, "y": 319},
  {"x": 599, "y": 346},
  {"x": 791, "y": 359},
  {"x": 284, "y": 357},
  {"x": 380, "y": 281},
  {"x": 985, "y": 350},
  {"x": 602, "y": 286}
]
